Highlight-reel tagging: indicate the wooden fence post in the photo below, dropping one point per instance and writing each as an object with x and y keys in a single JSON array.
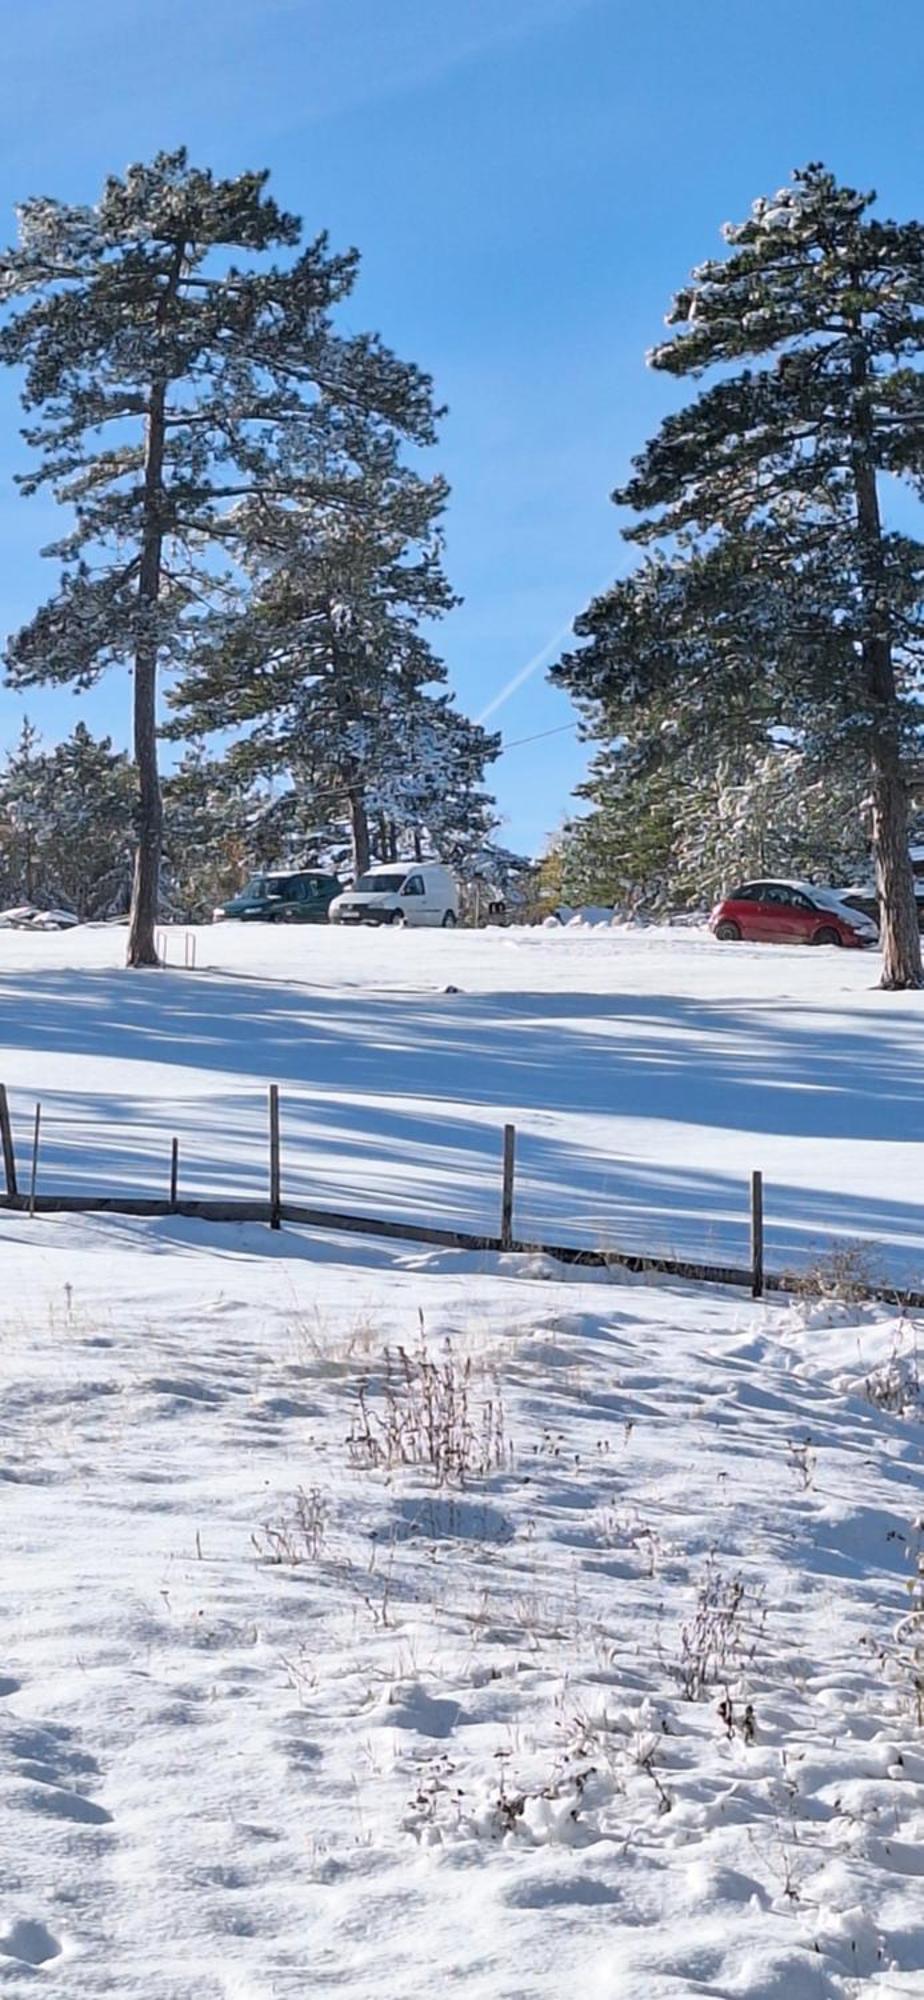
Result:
[
  {"x": 510, "y": 1141},
  {"x": 35, "y": 1151},
  {"x": 275, "y": 1183},
  {"x": 9, "y": 1156},
  {"x": 757, "y": 1235},
  {"x": 174, "y": 1170}
]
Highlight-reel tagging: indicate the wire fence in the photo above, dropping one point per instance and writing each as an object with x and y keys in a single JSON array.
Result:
[{"x": 227, "y": 1166}]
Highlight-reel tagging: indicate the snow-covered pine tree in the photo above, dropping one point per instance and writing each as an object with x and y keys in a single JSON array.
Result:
[
  {"x": 327, "y": 669},
  {"x": 174, "y": 385},
  {"x": 776, "y": 580},
  {"x": 92, "y": 825},
  {"x": 23, "y": 804},
  {"x": 67, "y": 828},
  {"x": 206, "y": 815},
  {"x": 673, "y": 823},
  {"x": 426, "y": 777}
]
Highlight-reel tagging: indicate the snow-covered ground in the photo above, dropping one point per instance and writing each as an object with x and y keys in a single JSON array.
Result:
[
  {"x": 593, "y": 1660},
  {"x": 623, "y": 1711},
  {"x": 647, "y": 1073}
]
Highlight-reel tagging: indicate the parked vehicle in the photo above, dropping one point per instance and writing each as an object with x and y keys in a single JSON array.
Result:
[
  {"x": 278, "y": 897},
  {"x": 790, "y": 913},
  {"x": 400, "y": 892},
  {"x": 862, "y": 896}
]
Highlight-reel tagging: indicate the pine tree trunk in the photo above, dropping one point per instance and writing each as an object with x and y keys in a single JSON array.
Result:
[
  {"x": 142, "y": 948},
  {"x": 146, "y": 885},
  {"x": 359, "y": 829},
  {"x": 141, "y": 944},
  {"x": 898, "y": 911}
]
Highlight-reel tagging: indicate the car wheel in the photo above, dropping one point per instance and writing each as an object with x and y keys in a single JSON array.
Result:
[
  {"x": 728, "y": 932},
  {"x": 399, "y": 920},
  {"x": 449, "y": 920},
  {"x": 826, "y": 936}
]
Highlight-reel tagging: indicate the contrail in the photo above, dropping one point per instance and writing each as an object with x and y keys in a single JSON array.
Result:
[{"x": 531, "y": 667}]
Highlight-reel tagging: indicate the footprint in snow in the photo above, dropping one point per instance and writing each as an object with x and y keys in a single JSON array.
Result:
[
  {"x": 42, "y": 1797},
  {"x": 184, "y": 1389},
  {"x": 408, "y": 1706},
  {"x": 47, "y": 1772},
  {"x": 8, "y": 1685},
  {"x": 29, "y": 1941}
]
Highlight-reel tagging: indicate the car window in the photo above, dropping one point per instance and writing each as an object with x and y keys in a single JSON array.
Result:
[
  {"x": 380, "y": 885},
  {"x": 800, "y": 902},
  {"x": 749, "y": 894},
  {"x": 414, "y": 886}
]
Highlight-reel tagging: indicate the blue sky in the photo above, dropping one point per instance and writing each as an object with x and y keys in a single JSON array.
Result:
[{"x": 527, "y": 181}]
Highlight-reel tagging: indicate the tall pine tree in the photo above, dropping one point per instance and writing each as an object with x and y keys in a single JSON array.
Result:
[
  {"x": 775, "y": 582},
  {"x": 174, "y": 386}
]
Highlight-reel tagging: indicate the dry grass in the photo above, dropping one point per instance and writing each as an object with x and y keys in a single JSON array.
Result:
[
  {"x": 848, "y": 1274},
  {"x": 423, "y": 1412}
]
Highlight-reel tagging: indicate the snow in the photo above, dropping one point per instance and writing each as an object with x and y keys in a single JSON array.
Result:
[
  {"x": 648, "y": 1072},
  {"x": 447, "y": 1741},
  {"x": 621, "y": 1696}
]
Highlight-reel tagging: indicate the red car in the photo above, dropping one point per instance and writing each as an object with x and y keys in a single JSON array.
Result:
[{"x": 790, "y": 913}]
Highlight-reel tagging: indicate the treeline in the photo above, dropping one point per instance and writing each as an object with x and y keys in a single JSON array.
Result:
[
  {"x": 671, "y": 832},
  {"x": 68, "y": 830}
]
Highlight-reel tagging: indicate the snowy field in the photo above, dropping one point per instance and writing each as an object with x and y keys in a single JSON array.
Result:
[
  {"x": 580, "y": 1649},
  {"x": 626, "y": 1709},
  {"x": 647, "y": 1073}
]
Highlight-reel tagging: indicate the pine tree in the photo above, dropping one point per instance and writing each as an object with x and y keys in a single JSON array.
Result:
[
  {"x": 176, "y": 387},
  {"x": 23, "y": 800},
  {"x": 673, "y": 824},
  {"x": 426, "y": 778},
  {"x": 91, "y": 815},
  {"x": 206, "y": 824},
  {"x": 776, "y": 589},
  {"x": 67, "y": 824},
  {"x": 328, "y": 670}
]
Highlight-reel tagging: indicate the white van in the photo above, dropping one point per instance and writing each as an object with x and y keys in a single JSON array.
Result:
[{"x": 400, "y": 892}]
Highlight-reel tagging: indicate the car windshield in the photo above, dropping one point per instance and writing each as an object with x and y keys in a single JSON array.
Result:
[
  {"x": 265, "y": 887},
  {"x": 828, "y": 899},
  {"x": 382, "y": 885}
]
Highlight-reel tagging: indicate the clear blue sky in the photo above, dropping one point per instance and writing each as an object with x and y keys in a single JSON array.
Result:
[{"x": 527, "y": 181}]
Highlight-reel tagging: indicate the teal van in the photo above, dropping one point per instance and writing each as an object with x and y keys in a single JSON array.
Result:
[{"x": 303, "y": 897}]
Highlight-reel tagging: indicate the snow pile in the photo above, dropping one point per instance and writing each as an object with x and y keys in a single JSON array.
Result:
[{"x": 27, "y": 917}]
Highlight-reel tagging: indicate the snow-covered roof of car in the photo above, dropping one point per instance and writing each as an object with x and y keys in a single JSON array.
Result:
[
  {"x": 394, "y": 867},
  {"x": 821, "y": 895}
]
